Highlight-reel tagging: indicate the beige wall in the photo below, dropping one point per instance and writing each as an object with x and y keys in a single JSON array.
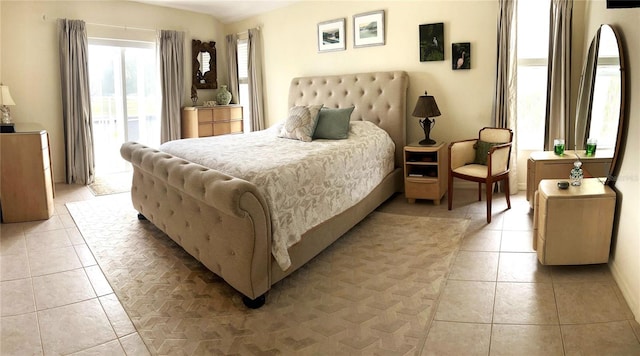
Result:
[
  {"x": 463, "y": 96},
  {"x": 29, "y": 58},
  {"x": 625, "y": 263}
]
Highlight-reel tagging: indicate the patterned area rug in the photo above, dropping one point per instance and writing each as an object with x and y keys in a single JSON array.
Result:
[
  {"x": 374, "y": 291},
  {"x": 111, "y": 184}
]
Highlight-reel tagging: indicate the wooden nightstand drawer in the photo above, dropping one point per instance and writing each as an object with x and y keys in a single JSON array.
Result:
[{"x": 414, "y": 188}]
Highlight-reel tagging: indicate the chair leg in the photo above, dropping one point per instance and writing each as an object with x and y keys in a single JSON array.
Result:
[
  {"x": 479, "y": 191},
  {"x": 489, "y": 193},
  {"x": 506, "y": 191},
  {"x": 450, "y": 191}
]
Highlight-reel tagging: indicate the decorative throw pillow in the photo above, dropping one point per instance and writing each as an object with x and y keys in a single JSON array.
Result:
[
  {"x": 482, "y": 149},
  {"x": 300, "y": 123},
  {"x": 333, "y": 124}
]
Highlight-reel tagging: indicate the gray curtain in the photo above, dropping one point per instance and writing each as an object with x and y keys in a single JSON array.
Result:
[
  {"x": 171, "y": 58},
  {"x": 232, "y": 60},
  {"x": 76, "y": 102},
  {"x": 504, "y": 104},
  {"x": 557, "y": 119},
  {"x": 255, "y": 80}
]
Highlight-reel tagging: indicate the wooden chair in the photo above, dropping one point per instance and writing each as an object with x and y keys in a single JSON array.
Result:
[{"x": 483, "y": 160}]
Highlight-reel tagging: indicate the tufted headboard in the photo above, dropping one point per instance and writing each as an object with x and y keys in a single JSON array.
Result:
[{"x": 379, "y": 97}]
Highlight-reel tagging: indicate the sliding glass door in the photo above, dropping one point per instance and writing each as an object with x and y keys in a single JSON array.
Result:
[{"x": 125, "y": 99}]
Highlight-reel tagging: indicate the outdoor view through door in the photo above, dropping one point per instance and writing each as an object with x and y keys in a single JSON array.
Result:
[{"x": 125, "y": 99}]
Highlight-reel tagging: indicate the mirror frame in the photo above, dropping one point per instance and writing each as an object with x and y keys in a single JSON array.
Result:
[
  {"x": 586, "y": 93},
  {"x": 622, "y": 117},
  {"x": 210, "y": 77}
]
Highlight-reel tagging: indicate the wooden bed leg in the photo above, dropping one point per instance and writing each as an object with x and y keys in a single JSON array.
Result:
[
  {"x": 141, "y": 217},
  {"x": 254, "y": 303}
]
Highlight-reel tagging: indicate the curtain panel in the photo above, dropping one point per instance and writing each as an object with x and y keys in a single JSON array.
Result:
[
  {"x": 255, "y": 80},
  {"x": 557, "y": 118},
  {"x": 504, "y": 104},
  {"x": 171, "y": 58},
  {"x": 76, "y": 102},
  {"x": 232, "y": 60}
]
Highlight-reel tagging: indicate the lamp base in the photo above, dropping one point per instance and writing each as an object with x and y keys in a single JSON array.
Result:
[
  {"x": 427, "y": 142},
  {"x": 6, "y": 114},
  {"x": 7, "y": 128}
]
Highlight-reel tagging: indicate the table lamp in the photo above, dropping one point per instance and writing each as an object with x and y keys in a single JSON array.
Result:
[
  {"x": 5, "y": 101},
  {"x": 426, "y": 107}
]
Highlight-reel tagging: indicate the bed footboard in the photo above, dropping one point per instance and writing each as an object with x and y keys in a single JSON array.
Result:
[{"x": 220, "y": 220}]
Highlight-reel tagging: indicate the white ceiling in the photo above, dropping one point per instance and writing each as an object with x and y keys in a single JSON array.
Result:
[{"x": 225, "y": 11}]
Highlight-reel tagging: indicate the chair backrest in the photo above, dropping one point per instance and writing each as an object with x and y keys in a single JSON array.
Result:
[
  {"x": 501, "y": 159},
  {"x": 496, "y": 135}
]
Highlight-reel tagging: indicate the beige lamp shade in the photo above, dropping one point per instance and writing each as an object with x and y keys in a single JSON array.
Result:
[{"x": 5, "y": 96}]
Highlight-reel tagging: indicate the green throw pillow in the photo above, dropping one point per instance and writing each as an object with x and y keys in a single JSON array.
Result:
[
  {"x": 333, "y": 124},
  {"x": 482, "y": 149}
]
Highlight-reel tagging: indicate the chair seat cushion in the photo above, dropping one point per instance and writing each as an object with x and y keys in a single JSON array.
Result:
[{"x": 473, "y": 170}]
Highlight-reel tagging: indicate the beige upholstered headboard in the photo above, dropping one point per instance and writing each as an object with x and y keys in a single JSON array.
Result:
[{"x": 379, "y": 97}]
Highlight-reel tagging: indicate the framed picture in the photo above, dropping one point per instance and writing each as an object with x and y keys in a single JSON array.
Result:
[
  {"x": 461, "y": 55},
  {"x": 622, "y": 4},
  {"x": 368, "y": 29},
  {"x": 331, "y": 35},
  {"x": 432, "y": 42}
]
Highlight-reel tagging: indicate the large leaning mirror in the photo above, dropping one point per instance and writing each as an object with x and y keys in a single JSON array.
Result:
[
  {"x": 600, "y": 106},
  {"x": 203, "y": 56}
]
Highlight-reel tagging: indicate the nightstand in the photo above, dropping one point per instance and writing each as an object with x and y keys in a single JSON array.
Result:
[
  {"x": 425, "y": 172},
  {"x": 573, "y": 226}
]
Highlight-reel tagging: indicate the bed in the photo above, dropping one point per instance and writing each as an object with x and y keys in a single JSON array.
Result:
[{"x": 229, "y": 223}]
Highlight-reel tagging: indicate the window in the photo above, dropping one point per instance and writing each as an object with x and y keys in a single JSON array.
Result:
[
  {"x": 533, "y": 48},
  {"x": 243, "y": 81},
  {"x": 125, "y": 99}
]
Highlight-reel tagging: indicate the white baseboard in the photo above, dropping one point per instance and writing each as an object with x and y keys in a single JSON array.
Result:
[{"x": 629, "y": 297}]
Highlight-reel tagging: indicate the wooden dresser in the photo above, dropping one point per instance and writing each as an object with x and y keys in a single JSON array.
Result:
[
  {"x": 202, "y": 121},
  {"x": 26, "y": 192}
]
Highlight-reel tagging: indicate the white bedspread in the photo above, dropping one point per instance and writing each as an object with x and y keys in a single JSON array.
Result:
[{"x": 304, "y": 183}]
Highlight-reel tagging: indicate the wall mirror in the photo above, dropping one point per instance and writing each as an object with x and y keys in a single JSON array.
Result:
[
  {"x": 203, "y": 55},
  {"x": 600, "y": 107}
]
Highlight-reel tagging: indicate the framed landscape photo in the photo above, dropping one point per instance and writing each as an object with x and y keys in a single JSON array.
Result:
[
  {"x": 331, "y": 35},
  {"x": 368, "y": 29},
  {"x": 461, "y": 55},
  {"x": 432, "y": 42}
]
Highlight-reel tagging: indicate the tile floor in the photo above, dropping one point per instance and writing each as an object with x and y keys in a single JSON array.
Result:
[
  {"x": 498, "y": 299},
  {"x": 54, "y": 298}
]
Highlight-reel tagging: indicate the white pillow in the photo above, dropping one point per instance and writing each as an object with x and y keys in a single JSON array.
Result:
[{"x": 301, "y": 123}]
